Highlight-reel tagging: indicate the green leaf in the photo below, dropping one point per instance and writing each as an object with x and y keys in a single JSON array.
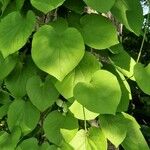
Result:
[
  {"x": 77, "y": 110},
  {"x": 42, "y": 95},
  {"x": 98, "y": 32},
  {"x": 7, "y": 65},
  {"x": 91, "y": 140},
  {"x": 100, "y": 5},
  {"x": 82, "y": 73},
  {"x": 142, "y": 77},
  {"x": 129, "y": 13},
  {"x": 20, "y": 27},
  {"x": 114, "y": 128},
  {"x": 4, "y": 104},
  {"x": 123, "y": 61},
  {"x": 9, "y": 141},
  {"x": 46, "y": 5},
  {"x": 102, "y": 95},
  {"x": 23, "y": 114},
  {"x": 58, "y": 54},
  {"x": 54, "y": 122},
  {"x": 16, "y": 81},
  {"x": 134, "y": 139},
  {"x": 125, "y": 89}
]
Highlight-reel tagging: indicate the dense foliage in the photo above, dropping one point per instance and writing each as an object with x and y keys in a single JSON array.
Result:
[{"x": 71, "y": 78}]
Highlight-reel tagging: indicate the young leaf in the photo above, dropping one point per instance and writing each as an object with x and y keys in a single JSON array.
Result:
[
  {"x": 102, "y": 6},
  {"x": 20, "y": 27},
  {"x": 60, "y": 52},
  {"x": 42, "y": 95},
  {"x": 98, "y": 32},
  {"x": 82, "y": 73},
  {"x": 24, "y": 115},
  {"x": 54, "y": 122},
  {"x": 142, "y": 77},
  {"x": 102, "y": 95},
  {"x": 46, "y": 5}
]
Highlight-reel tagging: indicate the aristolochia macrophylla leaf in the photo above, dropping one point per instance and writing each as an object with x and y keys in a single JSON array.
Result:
[
  {"x": 142, "y": 77},
  {"x": 98, "y": 32},
  {"x": 102, "y": 95},
  {"x": 100, "y": 5},
  {"x": 42, "y": 95},
  {"x": 60, "y": 52},
  {"x": 129, "y": 13},
  {"x": 46, "y": 5},
  {"x": 15, "y": 31}
]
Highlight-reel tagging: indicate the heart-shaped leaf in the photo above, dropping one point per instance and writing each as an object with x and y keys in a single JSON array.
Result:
[
  {"x": 129, "y": 13},
  {"x": 134, "y": 139},
  {"x": 142, "y": 77},
  {"x": 82, "y": 73},
  {"x": 102, "y": 95},
  {"x": 98, "y": 32},
  {"x": 20, "y": 27},
  {"x": 60, "y": 52},
  {"x": 46, "y": 5},
  {"x": 24, "y": 115},
  {"x": 100, "y": 5},
  {"x": 42, "y": 95},
  {"x": 54, "y": 122},
  {"x": 114, "y": 128},
  {"x": 17, "y": 79}
]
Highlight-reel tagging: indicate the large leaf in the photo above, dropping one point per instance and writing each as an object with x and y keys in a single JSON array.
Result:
[
  {"x": 98, "y": 32},
  {"x": 20, "y": 27},
  {"x": 54, "y": 122},
  {"x": 100, "y": 5},
  {"x": 142, "y": 77},
  {"x": 23, "y": 114},
  {"x": 42, "y": 95},
  {"x": 9, "y": 141},
  {"x": 7, "y": 65},
  {"x": 102, "y": 95},
  {"x": 82, "y": 113},
  {"x": 60, "y": 52},
  {"x": 114, "y": 128},
  {"x": 46, "y": 5},
  {"x": 82, "y": 73},
  {"x": 130, "y": 14},
  {"x": 16, "y": 81},
  {"x": 91, "y": 140}
]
